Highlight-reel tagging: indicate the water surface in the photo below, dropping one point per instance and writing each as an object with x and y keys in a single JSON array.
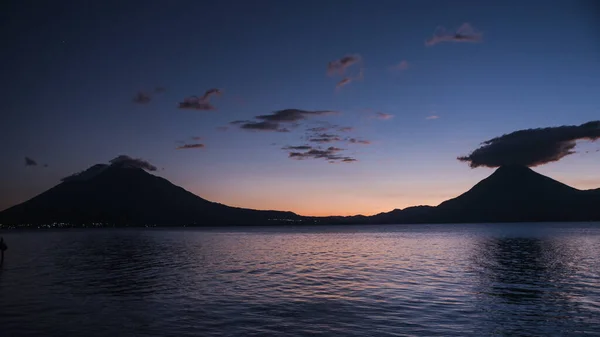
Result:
[{"x": 434, "y": 280}]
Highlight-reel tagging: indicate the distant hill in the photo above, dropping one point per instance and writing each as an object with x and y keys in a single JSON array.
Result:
[{"x": 125, "y": 195}]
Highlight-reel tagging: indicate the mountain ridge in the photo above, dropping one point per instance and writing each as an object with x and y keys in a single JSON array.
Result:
[{"x": 125, "y": 195}]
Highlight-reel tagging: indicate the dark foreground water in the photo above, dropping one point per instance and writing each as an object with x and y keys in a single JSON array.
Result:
[{"x": 442, "y": 280}]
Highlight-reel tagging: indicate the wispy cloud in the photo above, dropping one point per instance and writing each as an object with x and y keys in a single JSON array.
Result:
[
  {"x": 345, "y": 129},
  {"x": 200, "y": 103},
  {"x": 209, "y": 93},
  {"x": 190, "y": 146},
  {"x": 344, "y": 81},
  {"x": 194, "y": 103},
  {"x": 330, "y": 154},
  {"x": 465, "y": 33},
  {"x": 261, "y": 126},
  {"x": 324, "y": 138},
  {"x": 347, "y": 80},
  {"x": 30, "y": 162},
  {"x": 196, "y": 138},
  {"x": 358, "y": 141},
  {"x": 298, "y": 148},
  {"x": 532, "y": 147},
  {"x": 432, "y": 117},
  {"x": 143, "y": 97},
  {"x": 293, "y": 115},
  {"x": 383, "y": 116},
  {"x": 339, "y": 66},
  {"x": 403, "y": 65}
]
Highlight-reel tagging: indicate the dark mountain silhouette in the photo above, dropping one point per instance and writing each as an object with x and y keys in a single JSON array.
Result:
[
  {"x": 510, "y": 194},
  {"x": 518, "y": 194},
  {"x": 124, "y": 195},
  {"x": 120, "y": 194}
]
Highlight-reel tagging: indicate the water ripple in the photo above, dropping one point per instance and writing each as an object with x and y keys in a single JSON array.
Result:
[{"x": 467, "y": 280}]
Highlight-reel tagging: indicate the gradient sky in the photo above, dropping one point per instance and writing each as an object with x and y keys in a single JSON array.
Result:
[{"x": 70, "y": 70}]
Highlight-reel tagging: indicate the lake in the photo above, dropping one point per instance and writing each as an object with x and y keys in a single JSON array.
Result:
[{"x": 405, "y": 280}]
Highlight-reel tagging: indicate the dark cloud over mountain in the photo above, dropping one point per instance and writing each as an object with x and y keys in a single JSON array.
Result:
[
  {"x": 532, "y": 147},
  {"x": 127, "y": 161}
]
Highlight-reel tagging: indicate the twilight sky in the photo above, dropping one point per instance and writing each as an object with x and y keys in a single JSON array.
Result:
[{"x": 86, "y": 81}]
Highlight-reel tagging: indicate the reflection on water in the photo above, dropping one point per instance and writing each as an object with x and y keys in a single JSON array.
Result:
[
  {"x": 530, "y": 282},
  {"x": 353, "y": 281}
]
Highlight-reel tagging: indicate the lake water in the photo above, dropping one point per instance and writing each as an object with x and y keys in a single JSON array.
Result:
[{"x": 433, "y": 280}]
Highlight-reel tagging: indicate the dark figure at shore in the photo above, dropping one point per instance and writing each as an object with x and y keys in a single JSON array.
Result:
[{"x": 3, "y": 247}]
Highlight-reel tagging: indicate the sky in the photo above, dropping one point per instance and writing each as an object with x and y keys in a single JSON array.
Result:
[{"x": 397, "y": 98}]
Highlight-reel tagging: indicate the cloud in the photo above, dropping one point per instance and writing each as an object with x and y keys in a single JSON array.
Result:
[
  {"x": 298, "y": 148},
  {"x": 320, "y": 128},
  {"x": 195, "y": 103},
  {"x": 432, "y": 117},
  {"x": 326, "y": 126},
  {"x": 347, "y": 80},
  {"x": 200, "y": 103},
  {"x": 190, "y": 146},
  {"x": 142, "y": 98},
  {"x": 127, "y": 161},
  {"x": 30, "y": 162},
  {"x": 465, "y": 33},
  {"x": 358, "y": 141},
  {"x": 293, "y": 115},
  {"x": 196, "y": 138},
  {"x": 324, "y": 138},
  {"x": 330, "y": 154},
  {"x": 274, "y": 121},
  {"x": 262, "y": 126},
  {"x": 403, "y": 65},
  {"x": 222, "y": 128},
  {"x": 339, "y": 66},
  {"x": 532, "y": 147},
  {"x": 344, "y": 81},
  {"x": 209, "y": 93},
  {"x": 383, "y": 116}
]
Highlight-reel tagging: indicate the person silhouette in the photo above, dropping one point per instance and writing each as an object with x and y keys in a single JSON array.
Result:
[{"x": 3, "y": 247}]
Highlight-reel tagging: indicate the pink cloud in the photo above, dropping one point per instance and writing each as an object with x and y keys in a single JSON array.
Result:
[
  {"x": 403, "y": 65},
  {"x": 339, "y": 66},
  {"x": 383, "y": 116}
]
